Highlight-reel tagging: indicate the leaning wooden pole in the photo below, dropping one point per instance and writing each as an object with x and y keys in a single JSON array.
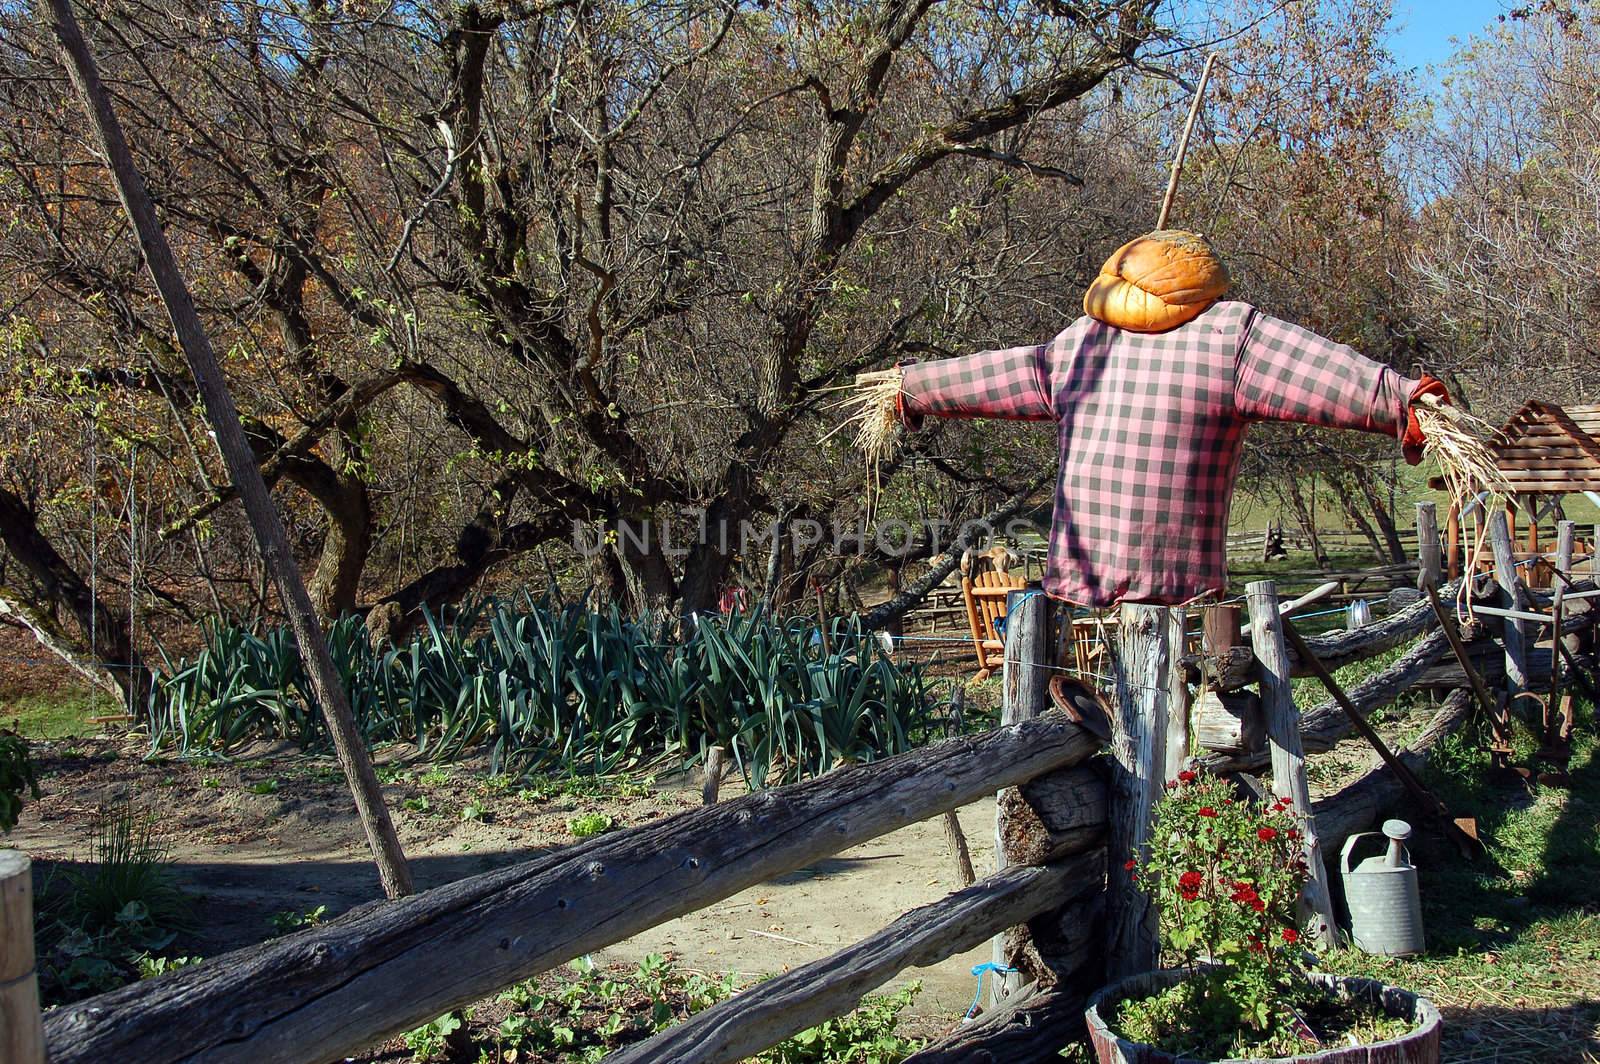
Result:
[
  {"x": 1183, "y": 143},
  {"x": 1288, "y": 756},
  {"x": 21, "y": 1028},
  {"x": 271, "y": 537}
]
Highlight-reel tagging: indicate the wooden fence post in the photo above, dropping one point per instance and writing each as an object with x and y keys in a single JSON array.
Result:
[
  {"x": 1283, "y": 736},
  {"x": 1220, "y": 629},
  {"x": 21, "y": 1028},
  {"x": 1558, "y": 710},
  {"x": 1138, "y": 750},
  {"x": 1178, "y": 702},
  {"x": 1026, "y": 681},
  {"x": 1514, "y": 633},
  {"x": 1430, "y": 569}
]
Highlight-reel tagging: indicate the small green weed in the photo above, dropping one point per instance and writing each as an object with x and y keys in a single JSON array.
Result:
[
  {"x": 434, "y": 777},
  {"x": 101, "y": 926},
  {"x": 870, "y": 1034},
  {"x": 474, "y": 810},
  {"x": 581, "y": 785},
  {"x": 289, "y": 921},
  {"x": 150, "y": 967},
  {"x": 589, "y": 825},
  {"x": 418, "y": 804},
  {"x": 392, "y": 773},
  {"x": 264, "y": 787},
  {"x": 431, "y": 1040}
]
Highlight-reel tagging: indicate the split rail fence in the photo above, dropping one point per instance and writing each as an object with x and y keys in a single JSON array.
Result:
[{"x": 1059, "y": 914}]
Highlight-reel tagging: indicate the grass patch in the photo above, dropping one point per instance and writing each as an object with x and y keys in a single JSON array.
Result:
[
  {"x": 1514, "y": 939},
  {"x": 56, "y": 714}
]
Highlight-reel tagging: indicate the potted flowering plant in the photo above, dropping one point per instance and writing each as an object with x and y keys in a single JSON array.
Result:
[{"x": 1225, "y": 876}]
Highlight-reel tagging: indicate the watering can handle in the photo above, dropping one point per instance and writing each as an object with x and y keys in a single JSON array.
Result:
[{"x": 1350, "y": 845}]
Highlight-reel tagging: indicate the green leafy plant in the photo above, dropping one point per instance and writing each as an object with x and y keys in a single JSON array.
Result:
[
  {"x": 289, "y": 921},
  {"x": 553, "y": 686},
  {"x": 589, "y": 825},
  {"x": 16, "y": 778},
  {"x": 869, "y": 1035},
  {"x": 129, "y": 875},
  {"x": 150, "y": 967},
  {"x": 431, "y": 1040},
  {"x": 1225, "y": 875},
  {"x": 100, "y": 925}
]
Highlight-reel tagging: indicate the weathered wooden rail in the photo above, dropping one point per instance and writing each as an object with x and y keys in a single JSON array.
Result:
[
  {"x": 389, "y": 967},
  {"x": 1056, "y": 909}
]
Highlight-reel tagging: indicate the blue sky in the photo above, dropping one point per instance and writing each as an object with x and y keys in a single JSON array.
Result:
[{"x": 1424, "y": 27}]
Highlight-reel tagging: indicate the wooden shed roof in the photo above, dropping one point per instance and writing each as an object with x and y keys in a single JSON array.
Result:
[{"x": 1545, "y": 449}]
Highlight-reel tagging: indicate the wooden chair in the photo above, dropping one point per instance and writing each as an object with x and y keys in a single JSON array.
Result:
[
  {"x": 984, "y": 588},
  {"x": 1086, "y": 648}
]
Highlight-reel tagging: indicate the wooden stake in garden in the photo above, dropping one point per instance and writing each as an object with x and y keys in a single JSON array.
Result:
[
  {"x": 1288, "y": 755},
  {"x": 271, "y": 537}
]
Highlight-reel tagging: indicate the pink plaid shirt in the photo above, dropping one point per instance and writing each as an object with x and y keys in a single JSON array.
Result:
[{"x": 1151, "y": 427}]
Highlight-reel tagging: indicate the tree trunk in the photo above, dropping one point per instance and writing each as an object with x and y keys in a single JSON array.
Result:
[
  {"x": 108, "y": 657},
  {"x": 1381, "y": 515},
  {"x": 1307, "y": 520},
  {"x": 1347, "y": 503}
]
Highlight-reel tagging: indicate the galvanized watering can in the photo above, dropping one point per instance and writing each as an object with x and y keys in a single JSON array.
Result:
[{"x": 1385, "y": 908}]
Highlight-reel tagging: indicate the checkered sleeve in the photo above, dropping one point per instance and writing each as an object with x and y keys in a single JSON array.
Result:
[
  {"x": 1009, "y": 383},
  {"x": 1283, "y": 372}
]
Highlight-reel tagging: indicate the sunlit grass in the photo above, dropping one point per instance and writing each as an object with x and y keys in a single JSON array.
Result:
[
  {"x": 1514, "y": 938},
  {"x": 55, "y": 714}
]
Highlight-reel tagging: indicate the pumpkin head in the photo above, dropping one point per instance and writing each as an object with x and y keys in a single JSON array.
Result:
[{"x": 1157, "y": 282}]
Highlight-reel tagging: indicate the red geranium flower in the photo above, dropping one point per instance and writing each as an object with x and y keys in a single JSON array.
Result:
[
  {"x": 1206, "y": 810},
  {"x": 1258, "y": 905},
  {"x": 1256, "y": 946},
  {"x": 1189, "y": 885},
  {"x": 1188, "y": 777},
  {"x": 1290, "y": 935},
  {"x": 1267, "y": 834},
  {"x": 1293, "y": 834},
  {"x": 1131, "y": 865}
]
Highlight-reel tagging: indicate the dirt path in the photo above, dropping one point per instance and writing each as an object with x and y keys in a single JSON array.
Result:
[{"x": 270, "y": 833}]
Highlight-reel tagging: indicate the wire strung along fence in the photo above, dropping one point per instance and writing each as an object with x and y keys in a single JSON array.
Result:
[{"x": 328, "y": 991}]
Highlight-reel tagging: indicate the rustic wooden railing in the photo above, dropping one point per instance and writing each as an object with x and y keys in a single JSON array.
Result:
[{"x": 391, "y": 966}]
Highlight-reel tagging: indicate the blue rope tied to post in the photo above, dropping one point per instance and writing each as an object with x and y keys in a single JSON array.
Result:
[{"x": 979, "y": 970}]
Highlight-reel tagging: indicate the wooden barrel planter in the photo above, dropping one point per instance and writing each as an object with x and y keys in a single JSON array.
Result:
[{"x": 1420, "y": 1045}]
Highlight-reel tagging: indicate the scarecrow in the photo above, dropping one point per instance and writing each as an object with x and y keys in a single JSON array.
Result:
[{"x": 1151, "y": 391}]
